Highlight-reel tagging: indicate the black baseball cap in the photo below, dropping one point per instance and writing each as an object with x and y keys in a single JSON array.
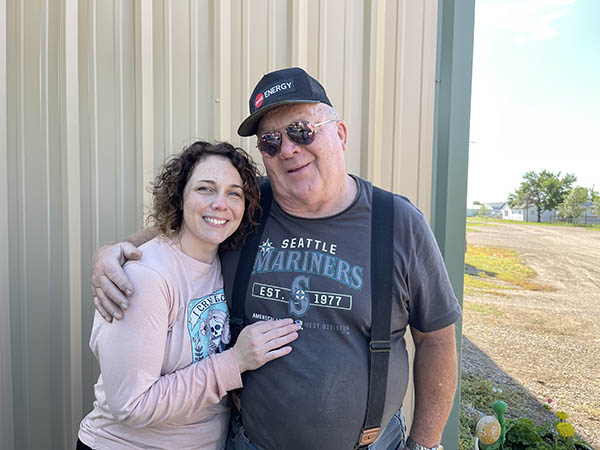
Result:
[{"x": 285, "y": 86}]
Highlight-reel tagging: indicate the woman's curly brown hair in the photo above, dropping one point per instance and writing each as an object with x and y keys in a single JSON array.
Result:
[{"x": 168, "y": 186}]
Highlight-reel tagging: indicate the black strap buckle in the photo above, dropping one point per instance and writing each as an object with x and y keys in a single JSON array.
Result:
[{"x": 380, "y": 346}]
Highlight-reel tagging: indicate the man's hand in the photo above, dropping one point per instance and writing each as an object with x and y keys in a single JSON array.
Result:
[
  {"x": 262, "y": 342},
  {"x": 110, "y": 285}
]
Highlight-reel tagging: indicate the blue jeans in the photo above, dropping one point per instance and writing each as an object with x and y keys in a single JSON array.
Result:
[{"x": 392, "y": 438}]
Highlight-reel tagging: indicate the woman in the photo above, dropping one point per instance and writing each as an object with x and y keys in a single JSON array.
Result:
[{"x": 165, "y": 370}]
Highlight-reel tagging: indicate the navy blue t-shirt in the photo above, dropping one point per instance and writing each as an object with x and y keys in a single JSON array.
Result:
[{"x": 317, "y": 271}]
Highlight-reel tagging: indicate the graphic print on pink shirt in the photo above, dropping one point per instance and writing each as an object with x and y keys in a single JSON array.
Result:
[{"x": 208, "y": 325}]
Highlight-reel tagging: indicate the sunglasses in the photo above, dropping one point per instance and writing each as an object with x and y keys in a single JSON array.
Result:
[{"x": 302, "y": 133}]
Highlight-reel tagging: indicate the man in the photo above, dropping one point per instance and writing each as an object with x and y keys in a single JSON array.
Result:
[{"x": 313, "y": 264}]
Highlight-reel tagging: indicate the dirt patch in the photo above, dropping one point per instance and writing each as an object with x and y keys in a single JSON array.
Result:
[{"x": 546, "y": 341}]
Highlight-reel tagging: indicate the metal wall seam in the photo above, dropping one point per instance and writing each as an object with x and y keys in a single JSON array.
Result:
[
  {"x": 23, "y": 403},
  {"x": 271, "y": 36},
  {"x": 371, "y": 158},
  {"x": 194, "y": 69},
  {"x": 246, "y": 82},
  {"x": 73, "y": 209},
  {"x": 344, "y": 110},
  {"x": 299, "y": 33},
  {"x": 145, "y": 94},
  {"x": 119, "y": 93},
  {"x": 94, "y": 150},
  {"x": 427, "y": 110},
  {"x": 6, "y": 385},
  {"x": 222, "y": 69},
  {"x": 168, "y": 81},
  {"x": 322, "y": 43},
  {"x": 400, "y": 65}
]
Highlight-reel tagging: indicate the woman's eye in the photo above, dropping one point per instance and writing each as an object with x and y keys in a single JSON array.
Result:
[
  {"x": 236, "y": 194},
  {"x": 203, "y": 189}
]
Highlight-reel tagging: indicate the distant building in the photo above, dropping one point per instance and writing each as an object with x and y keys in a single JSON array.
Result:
[
  {"x": 523, "y": 214},
  {"x": 492, "y": 209},
  {"x": 588, "y": 216}
]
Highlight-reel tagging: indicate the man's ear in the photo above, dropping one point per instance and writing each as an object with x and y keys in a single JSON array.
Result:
[{"x": 342, "y": 132}]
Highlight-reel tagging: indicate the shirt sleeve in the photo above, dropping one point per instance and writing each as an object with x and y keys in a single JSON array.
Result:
[
  {"x": 432, "y": 305},
  {"x": 131, "y": 354}
]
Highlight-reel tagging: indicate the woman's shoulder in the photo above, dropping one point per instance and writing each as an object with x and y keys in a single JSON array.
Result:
[{"x": 157, "y": 257}]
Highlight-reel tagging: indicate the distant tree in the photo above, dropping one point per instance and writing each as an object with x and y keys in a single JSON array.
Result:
[
  {"x": 477, "y": 202},
  {"x": 544, "y": 190},
  {"x": 482, "y": 211},
  {"x": 573, "y": 208}
]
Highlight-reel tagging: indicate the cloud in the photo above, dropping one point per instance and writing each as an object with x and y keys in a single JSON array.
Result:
[{"x": 526, "y": 19}]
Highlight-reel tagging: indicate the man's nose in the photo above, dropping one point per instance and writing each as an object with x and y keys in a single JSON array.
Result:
[{"x": 288, "y": 147}]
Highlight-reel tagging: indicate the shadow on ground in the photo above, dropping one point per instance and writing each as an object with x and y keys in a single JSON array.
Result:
[
  {"x": 474, "y": 271},
  {"x": 475, "y": 362}
]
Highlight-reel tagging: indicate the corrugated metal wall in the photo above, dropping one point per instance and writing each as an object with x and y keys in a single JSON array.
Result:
[{"x": 94, "y": 94}]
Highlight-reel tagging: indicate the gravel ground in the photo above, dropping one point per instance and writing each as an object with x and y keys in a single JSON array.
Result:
[{"x": 547, "y": 342}]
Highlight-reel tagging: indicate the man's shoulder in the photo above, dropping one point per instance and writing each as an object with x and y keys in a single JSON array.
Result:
[{"x": 403, "y": 206}]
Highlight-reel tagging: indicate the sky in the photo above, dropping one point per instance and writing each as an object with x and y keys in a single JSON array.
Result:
[{"x": 535, "y": 101}]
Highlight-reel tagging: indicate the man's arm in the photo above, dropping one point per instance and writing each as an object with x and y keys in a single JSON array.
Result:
[
  {"x": 110, "y": 285},
  {"x": 435, "y": 374}
]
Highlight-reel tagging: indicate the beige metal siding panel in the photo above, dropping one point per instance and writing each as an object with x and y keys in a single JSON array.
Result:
[
  {"x": 407, "y": 78},
  {"x": 143, "y": 80},
  {"x": 38, "y": 300}
]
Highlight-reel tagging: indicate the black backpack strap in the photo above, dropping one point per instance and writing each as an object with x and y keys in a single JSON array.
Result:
[
  {"x": 382, "y": 267},
  {"x": 246, "y": 263}
]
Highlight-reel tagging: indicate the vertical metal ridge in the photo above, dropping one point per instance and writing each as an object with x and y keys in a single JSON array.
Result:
[
  {"x": 427, "y": 110},
  {"x": 245, "y": 72},
  {"x": 322, "y": 43},
  {"x": 45, "y": 119},
  {"x": 120, "y": 117},
  {"x": 399, "y": 65},
  {"x": 194, "y": 69},
  {"x": 421, "y": 117},
  {"x": 299, "y": 33},
  {"x": 168, "y": 18},
  {"x": 23, "y": 274},
  {"x": 147, "y": 99},
  {"x": 347, "y": 77},
  {"x": 94, "y": 125},
  {"x": 271, "y": 36},
  {"x": 373, "y": 157},
  {"x": 73, "y": 238},
  {"x": 6, "y": 381},
  {"x": 222, "y": 69}
]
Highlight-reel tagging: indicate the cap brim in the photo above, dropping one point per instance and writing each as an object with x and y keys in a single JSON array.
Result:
[{"x": 249, "y": 126}]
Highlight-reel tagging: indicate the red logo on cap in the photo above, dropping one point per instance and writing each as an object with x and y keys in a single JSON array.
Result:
[{"x": 259, "y": 100}]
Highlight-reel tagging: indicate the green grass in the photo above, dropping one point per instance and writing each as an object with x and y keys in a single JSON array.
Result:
[
  {"x": 478, "y": 394},
  {"x": 483, "y": 309},
  {"x": 500, "y": 264},
  {"x": 476, "y": 398},
  {"x": 490, "y": 221}
]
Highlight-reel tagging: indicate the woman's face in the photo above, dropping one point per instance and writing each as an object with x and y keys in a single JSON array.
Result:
[{"x": 213, "y": 207}]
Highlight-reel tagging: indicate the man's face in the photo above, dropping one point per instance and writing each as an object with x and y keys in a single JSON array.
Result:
[{"x": 304, "y": 177}]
